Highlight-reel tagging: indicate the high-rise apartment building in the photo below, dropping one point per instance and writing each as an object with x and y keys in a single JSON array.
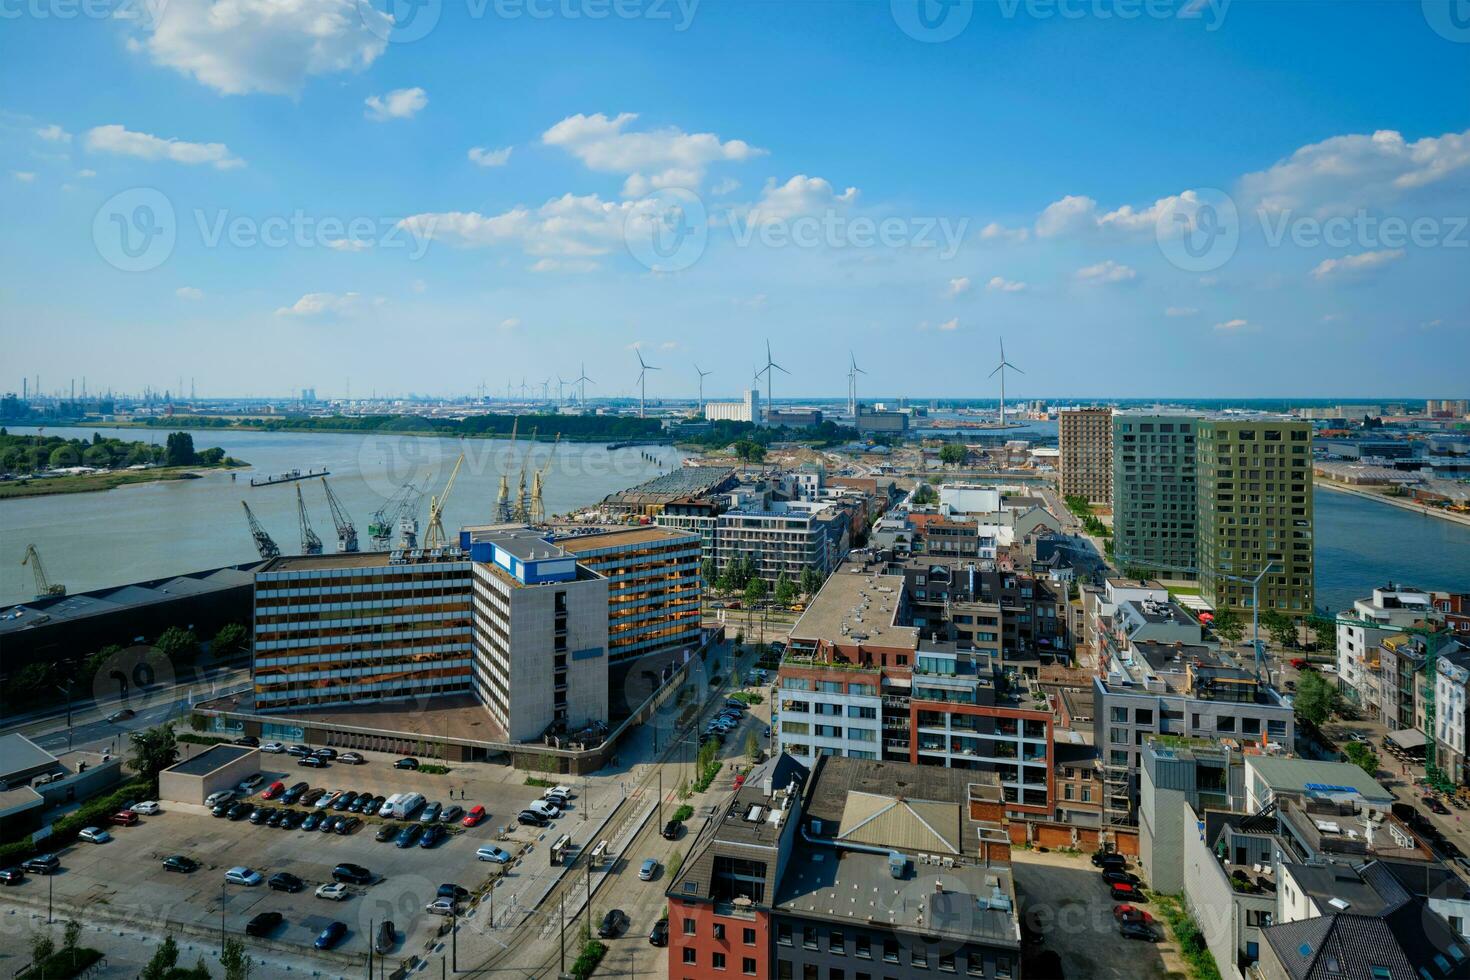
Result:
[
  {"x": 1154, "y": 495},
  {"x": 1086, "y": 441},
  {"x": 1254, "y": 482}
]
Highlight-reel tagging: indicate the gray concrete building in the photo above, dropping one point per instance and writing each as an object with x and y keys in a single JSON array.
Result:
[
  {"x": 1177, "y": 771},
  {"x": 1154, "y": 494}
]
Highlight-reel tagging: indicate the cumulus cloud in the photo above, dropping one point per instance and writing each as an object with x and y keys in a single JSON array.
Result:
[
  {"x": 86, "y": 173},
  {"x": 801, "y": 195},
  {"x": 485, "y": 157},
  {"x": 401, "y": 103},
  {"x": 24, "y": 176},
  {"x": 1354, "y": 266},
  {"x": 322, "y": 304},
  {"x": 349, "y": 244},
  {"x": 650, "y": 159},
  {"x": 567, "y": 227},
  {"x": 950, "y": 325},
  {"x": 725, "y": 185},
  {"x": 270, "y": 46},
  {"x": 1076, "y": 214},
  {"x": 510, "y": 323},
  {"x": 1106, "y": 271},
  {"x": 54, "y": 133},
  {"x": 189, "y": 292},
  {"x": 1230, "y": 326},
  {"x": 997, "y": 232},
  {"x": 998, "y": 284},
  {"x": 124, "y": 142},
  {"x": 959, "y": 286},
  {"x": 1180, "y": 311}
]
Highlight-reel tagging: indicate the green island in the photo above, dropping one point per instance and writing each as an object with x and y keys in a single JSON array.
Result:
[{"x": 36, "y": 466}]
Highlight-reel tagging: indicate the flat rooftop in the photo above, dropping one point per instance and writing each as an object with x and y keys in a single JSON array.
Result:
[
  {"x": 361, "y": 559},
  {"x": 211, "y": 759},
  {"x": 579, "y": 544},
  {"x": 457, "y": 715},
  {"x": 857, "y": 605},
  {"x": 98, "y": 602}
]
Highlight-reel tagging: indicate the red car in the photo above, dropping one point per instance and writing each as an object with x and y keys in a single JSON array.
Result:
[
  {"x": 273, "y": 790},
  {"x": 1299, "y": 662},
  {"x": 739, "y": 781},
  {"x": 1121, "y": 891},
  {"x": 474, "y": 816},
  {"x": 125, "y": 818},
  {"x": 1128, "y": 913}
]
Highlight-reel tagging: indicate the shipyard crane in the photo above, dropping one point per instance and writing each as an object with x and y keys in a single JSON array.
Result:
[
  {"x": 435, "y": 537},
  {"x": 502, "y": 499},
  {"x": 44, "y": 586},
  {"x": 392, "y": 514},
  {"x": 521, "y": 512},
  {"x": 264, "y": 543},
  {"x": 538, "y": 483},
  {"x": 346, "y": 533},
  {"x": 310, "y": 543}
]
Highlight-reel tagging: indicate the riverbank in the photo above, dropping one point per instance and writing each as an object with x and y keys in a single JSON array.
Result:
[
  {"x": 110, "y": 480},
  {"x": 526, "y": 433},
  {"x": 1408, "y": 505}
]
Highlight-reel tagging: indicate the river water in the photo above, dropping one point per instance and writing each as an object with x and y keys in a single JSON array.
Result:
[
  {"x": 93, "y": 540},
  {"x": 153, "y": 530}
]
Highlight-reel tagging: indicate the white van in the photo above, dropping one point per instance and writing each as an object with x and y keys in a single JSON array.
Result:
[
  {"x": 390, "y": 805},
  {"x": 548, "y": 810},
  {"x": 408, "y": 804}
]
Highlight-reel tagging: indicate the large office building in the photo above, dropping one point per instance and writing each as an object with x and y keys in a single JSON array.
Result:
[
  {"x": 1154, "y": 494},
  {"x": 1085, "y": 438},
  {"x": 1254, "y": 482}
]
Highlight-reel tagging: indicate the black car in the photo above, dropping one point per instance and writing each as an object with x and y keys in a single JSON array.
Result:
[
  {"x": 613, "y": 924},
  {"x": 352, "y": 874},
  {"x": 310, "y": 797},
  {"x": 285, "y": 881},
  {"x": 43, "y": 864},
  {"x": 376, "y": 805},
  {"x": 221, "y": 810},
  {"x": 346, "y": 825},
  {"x": 659, "y": 934},
  {"x": 530, "y": 818},
  {"x": 344, "y": 801},
  {"x": 1114, "y": 877},
  {"x": 406, "y": 763},
  {"x": 1137, "y": 930},
  {"x": 359, "y": 805},
  {"x": 241, "y": 810},
  {"x": 409, "y": 835},
  {"x": 312, "y": 762},
  {"x": 330, "y": 825},
  {"x": 275, "y": 818},
  {"x": 12, "y": 876},
  {"x": 331, "y": 935},
  {"x": 294, "y": 794},
  {"x": 386, "y": 938},
  {"x": 458, "y": 893},
  {"x": 328, "y": 754},
  {"x": 1102, "y": 859},
  {"x": 292, "y": 819},
  {"x": 263, "y": 924},
  {"x": 451, "y": 814},
  {"x": 387, "y": 832},
  {"x": 671, "y": 830},
  {"x": 433, "y": 835},
  {"x": 299, "y": 750},
  {"x": 1436, "y": 806},
  {"x": 261, "y": 814},
  {"x": 248, "y": 740},
  {"x": 313, "y": 820}
]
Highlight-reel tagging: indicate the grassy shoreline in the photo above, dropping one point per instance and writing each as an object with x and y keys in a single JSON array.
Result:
[{"x": 94, "y": 482}]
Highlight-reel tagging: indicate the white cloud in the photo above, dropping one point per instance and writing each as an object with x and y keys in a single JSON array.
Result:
[
  {"x": 116, "y": 139},
  {"x": 959, "y": 286},
  {"x": 1354, "y": 171},
  {"x": 801, "y": 195},
  {"x": 54, "y": 134},
  {"x": 650, "y": 159},
  {"x": 86, "y": 173},
  {"x": 489, "y": 158},
  {"x": 1071, "y": 214},
  {"x": 322, "y": 304},
  {"x": 270, "y": 46},
  {"x": 349, "y": 244},
  {"x": 401, "y": 103},
  {"x": 1180, "y": 311},
  {"x": 1431, "y": 324},
  {"x": 1331, "y": 317},
  {"x": 998, "y": 284},
  {"x": 24, "y": 176},
  {"x": 996, "y": 232},
  {"x": 950, "y": 325},
  {"x": 510, "y": 323},
  {"x": 564, "y": 227},
  {"x": 1232, "y": 325},
  {"x": 1106, "y": 271},
  {"x": 725, "y": 185},
  {"x": 1074, "y": 214},
  {"x": 189, "y": 292},
  {"x": 669, "y": 345},
  {"x": 564, "y": 265},
  {"x": 1355, "y": 265}
]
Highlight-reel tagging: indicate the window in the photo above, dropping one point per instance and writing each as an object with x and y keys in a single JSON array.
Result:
[
  {"x": 719, "y": 961},
  {"x": 783, "y": 934},
  {"x": 975, "y": 964},
  {"x": 890, "y": 951},
  {"x": 864, "y": 949},
  {"x": 809, "y": 971},
  {"x": 689, "y": 955},
  {"x": 835, "y": 973},
  {"x": 809, "y": 937},
  {"x": 719, "y": 930},
  {"x": 747, "y": 966},
  {"x": 1003, "y": 968},
  {"x": 919, "y": 957},
  {"x": 783, "y": 970},
  {"x": 688, "y": 927},
  {"x": 748, "y": 937},
  {"x": 946, "y": 962},
  {"x": 836, "y": 945},
  {"x": 1258, "y": 918}
]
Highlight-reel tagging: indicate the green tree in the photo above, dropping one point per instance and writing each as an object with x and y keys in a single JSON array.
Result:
[
  {"x": 165, "y": 958},
  {"x": 709, "y": 573},
  {"x": 1228, "y": 626},
  {"x": 1281, "y": 627},
  {"x": 811, "y": 580},
  {"x": 786, "y": 590},
  {"x": 71, "y": 936},
  {"x": 925, "y": 496},
  {"x": 42, "y": 946},
  {"x": 753, "y": 745},
  {"x": 1363, "y": 756},
  {"x": 1316, "y": 698},
  {"x": 1324, "y": 634},
  {"x": 749, "y": 451},
  {"x": 180, "y": 449},
  {"x": 235, "y": 960},
  {"x": 63, "y": 456},
  {"x": 755, "y": 590},
  {"x": 179, "y": 645},
  {"x": 229, "y": 639},
  {"x": 212, "y": 456},
  {"x": 953, "y": 454},
  {"x": 154, "y": 750},
  {"x": 97, "y": 456}
]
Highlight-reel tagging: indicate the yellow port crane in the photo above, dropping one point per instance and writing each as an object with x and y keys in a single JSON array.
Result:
[
  {"x": 44, "y": 586},
  {"x": 538, "y": 483},
  {"x": 435, "y": 537},
  {"x": 502, "y": 499},
  {"x": 521, "y": 513}
]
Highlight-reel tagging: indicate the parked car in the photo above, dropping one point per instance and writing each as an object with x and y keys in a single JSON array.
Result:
[
  {"x": 325, "y": 753},
  {"x": 275, "y": 818},
  {"x": 648, "y": 870},
  {"x": 333, "y": 891},
  {"x": 260, "y": 814},
  {"x": 440, "y": 906},
  {"x": 360, "y": 804},
  {"x": 1102, "y": 859},
  {"x": 532, "y": 819},
  {"x": 274, "y": 748},
  {"x": 248, "y": 784},
  {"x": 386, "y": 938},
  {"x": 313, "y": 820},
  {"x": 274, "y": 790},
  {"x": 491, "y": 853},
  {"x": 264, "y": 924},
  {"x": 352, "y": 874},
  {"x": 409, "y": 835},
  {"x": 433, "y": 836},
  {"x": 285, "y": 881},
  {"x": 351, "y": 759},
  {"x": 310, "y": 797},
  {"x": 613, "y": 924},
  {"x": 1121, "y": 891},
  {"x": 430, "y": 813},
  {"x": 330, "y": 823},
  {"x": 474, "y": 816},
  {"x": 659, "y": 934},
  {"x": 1129, "y": 929},
  {"x": 223, "y": 796},
  {"x": 346, "y": 825},
  {"x": 331, "y": 935},
  {"x": 95, "y": 835},
  {"x": 451, "y": 813},
  {"x": 180, "y": 863},
  {"x": 548, "y": 810},
  {"x": 295, "y": 793},
  {"x": 293, "y": 819},
  {"x": 375, "y": 805},
  {"x": 241, "y": 875},
  {"x": 1113, "y": 877},
  {"x": 147, "y": 808},
  {"x": 222, "y": 809},
  {"x": 125, "y": 818},
  {"x": 41, "y": 864},
  {"x": 299, "y": 750},
  {"x": 1436, "y": 806},
  {"x": 249, "y": 741},
  {"x": 387, "y": 832},
  {"x": 12, "y": 876},
  {"x": 671, "y": 830},
  {"x": 1127, "y": 912},
  {"x": 312, "y": 762},
  {"x": 406, "y": 763},
  {"x": 240, "y": 810},
  {"x": 344, "y": 801}
]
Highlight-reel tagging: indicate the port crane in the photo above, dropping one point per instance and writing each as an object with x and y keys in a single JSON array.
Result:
[
  {"x": 396, "y": 512},
  {"x": 346, "y": 533},
  {"x": 264, "y": 543},
  {"x": 538, "y": 483},
  {"x": 521, "y": 513},
  {"x": 502, "y": 499},
  {"x": 435, "y": 538},
  {"x": 44, "y": 586},
  {"x": 310, "y": 543}
]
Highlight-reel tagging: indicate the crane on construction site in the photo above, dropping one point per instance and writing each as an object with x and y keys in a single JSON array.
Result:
[
  {"x": 310, "y": 543},
  {"x": 538, "y": 484},
  {"x": 44, "y": 586},
  {"x": 522, "y": 510},
  {"x": 264, "y": 543},
  {"x": 435, "y": 537},
  {"x": 502, "y": 499},
  {"x": 346, "y": 533}
]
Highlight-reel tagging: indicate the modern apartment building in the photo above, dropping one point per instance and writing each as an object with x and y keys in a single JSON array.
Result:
[
  {"x": 347, "y": 628},
  {"x": 1085, "y": 437},
  {"x": 1359, "y": 667},
  {"x": 1154, "y": 493},
  {"x": 783, "y": 538},
  {"x": 653, "y": 587},
  {"x": 1254, "y": 481}
]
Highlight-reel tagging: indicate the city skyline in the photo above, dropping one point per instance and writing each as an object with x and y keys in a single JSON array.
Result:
[{"x": 436, "y": 232}]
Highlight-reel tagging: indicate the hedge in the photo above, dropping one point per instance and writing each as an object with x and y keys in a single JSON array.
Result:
[
  {"x": 591, "y": 955},
  {"x": 93, "y": 813},
  {"x": 64, "y": 964}
]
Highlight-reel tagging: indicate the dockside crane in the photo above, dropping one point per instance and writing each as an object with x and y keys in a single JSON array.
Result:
[
  {"x": 310, "y": 543},
  {"x": 389, "y": 516},
  {"x": 435, "y": 537},
  {"x": 264, "y": 543},
  {"x": 502, "y": 499},
  {"x": 44, "y": 586},
  {"x": 538, "y": 484},
  {"x": 346, "y": 533},
  {"x": 522, "y": 512}
]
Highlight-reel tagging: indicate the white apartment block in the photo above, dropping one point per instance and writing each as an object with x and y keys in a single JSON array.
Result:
[
  {"x": 819, "y": 718},
  {"x": 786, "y": 537},
  {"x": 1357, "y": 646}
]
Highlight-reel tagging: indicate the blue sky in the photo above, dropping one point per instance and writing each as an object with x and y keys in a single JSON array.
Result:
[{"x": 328, "y": 199}]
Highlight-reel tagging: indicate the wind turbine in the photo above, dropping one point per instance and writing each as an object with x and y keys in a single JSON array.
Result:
[
  {"x": 852, "y": 373},
  {"x": 545, "y": 387},
  {"x": 560, "y": 385},
  {"x": 1001, "y": 369},
  {"x": 524, "y": 388},
  {"x": 767, "y": 372},
  {"x": 643, "y": 370},
  {"x": 584, "y": 381},
  {"x": 702, "y": 376}
]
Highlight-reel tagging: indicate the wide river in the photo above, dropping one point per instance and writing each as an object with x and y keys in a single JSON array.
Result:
[{"x": 134, "y": 533}]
